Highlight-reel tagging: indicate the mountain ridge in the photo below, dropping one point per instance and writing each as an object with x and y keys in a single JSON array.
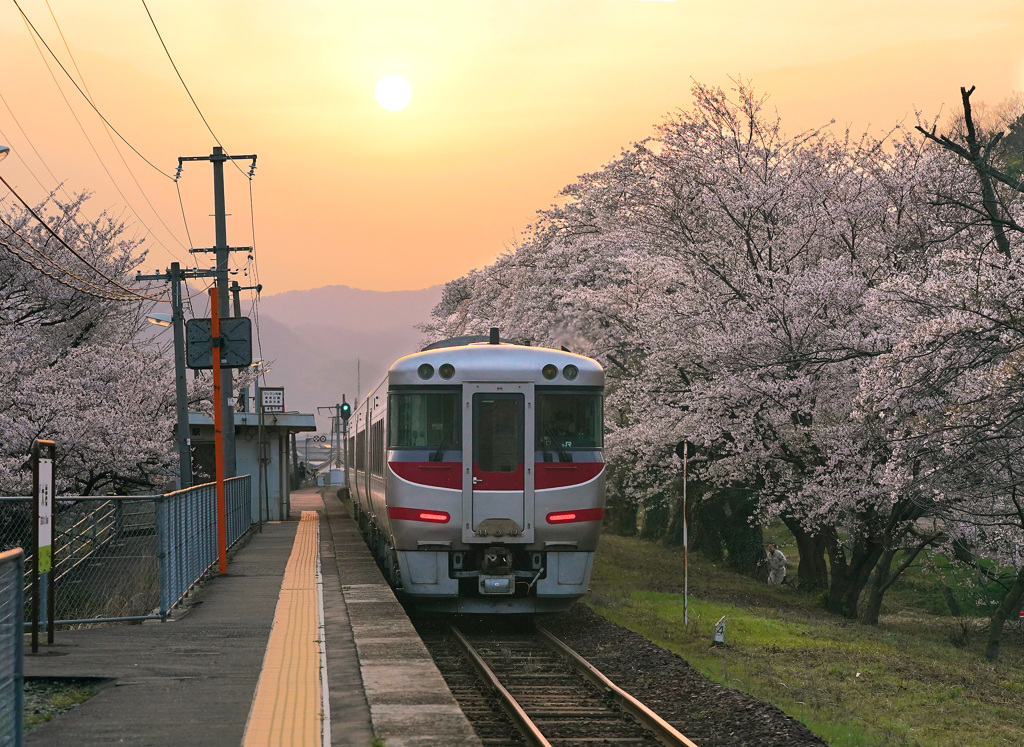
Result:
[{"x": 337, "y": 340}]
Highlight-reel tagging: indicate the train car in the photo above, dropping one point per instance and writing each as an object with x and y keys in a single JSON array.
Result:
[{"x": 477, "y": 475}]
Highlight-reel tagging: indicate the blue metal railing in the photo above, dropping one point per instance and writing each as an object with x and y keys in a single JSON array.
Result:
[
  {"x": 124, "y": 558},
  {"x": 186, "y": 525},
  {"x": 11, "y": 640}
]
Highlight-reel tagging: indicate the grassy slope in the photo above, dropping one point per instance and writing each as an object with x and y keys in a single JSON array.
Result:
[{"x": 902, "y": 682}]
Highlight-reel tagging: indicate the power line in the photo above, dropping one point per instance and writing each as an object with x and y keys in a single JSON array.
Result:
[
  {"x": 185, "y": 86},
  {"x": 49, "y": 274},
  {"x": 56, "y": 264},
  {"x": 256, "y": 272},
  {"x": 116, "y": 149},
  {"x": 86, "y": 97},
  {"x": 96, "y": 153},
  {"x": 67, "y": 246},
  {"x": 92, "y": 145},
  {"x": 33, "y": 147}
]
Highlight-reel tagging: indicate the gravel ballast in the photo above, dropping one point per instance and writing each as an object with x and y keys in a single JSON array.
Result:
[{"x": 707, "y": 713}]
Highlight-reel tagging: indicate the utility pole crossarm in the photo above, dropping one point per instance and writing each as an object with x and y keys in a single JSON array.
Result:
[{"x": 222, "y": 248}]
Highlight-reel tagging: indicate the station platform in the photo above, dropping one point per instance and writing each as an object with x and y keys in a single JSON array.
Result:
[{"x": 302, "y": 642}]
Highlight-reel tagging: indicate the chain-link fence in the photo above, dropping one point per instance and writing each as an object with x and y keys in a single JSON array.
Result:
[
  {"x": 11, "y": 641},
  {"x": 187, "y": 527},
  {"x": 118, "y": 558}
]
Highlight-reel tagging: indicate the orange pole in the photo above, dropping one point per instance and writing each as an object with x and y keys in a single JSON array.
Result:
[{"x": 218, "y": 436}]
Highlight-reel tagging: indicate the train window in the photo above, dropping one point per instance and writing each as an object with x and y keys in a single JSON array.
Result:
[
  {"x": 498, "y": 432},
  {"x": 377, "y": 448},
  {"x": 572, "y": 420},
  {"x": 360, "y": 453},
  {"x": 425, "y": 420}
]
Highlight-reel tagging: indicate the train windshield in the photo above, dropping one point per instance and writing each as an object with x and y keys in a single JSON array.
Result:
[
  {"x": 571, "y": 420},
  {"x": 425, "y": 420}
]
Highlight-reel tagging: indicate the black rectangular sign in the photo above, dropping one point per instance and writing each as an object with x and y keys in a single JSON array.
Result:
[{"x": 236, "y": 342}]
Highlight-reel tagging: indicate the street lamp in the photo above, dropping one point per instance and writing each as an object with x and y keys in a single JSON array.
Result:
[{"x": 4, "y": 150}]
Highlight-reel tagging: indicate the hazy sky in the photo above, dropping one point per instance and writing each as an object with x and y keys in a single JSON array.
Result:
[{"x": 512, "y": 99}]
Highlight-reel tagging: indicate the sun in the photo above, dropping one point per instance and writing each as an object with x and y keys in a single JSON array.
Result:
[{"x": 393, "y": 92}]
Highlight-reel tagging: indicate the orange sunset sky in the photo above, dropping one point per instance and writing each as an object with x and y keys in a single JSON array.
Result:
[{"x": 512, "y": 99}]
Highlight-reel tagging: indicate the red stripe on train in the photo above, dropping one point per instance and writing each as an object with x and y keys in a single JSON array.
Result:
[
  {"x": 432, "y": 474},
  {"x": 548, "y": 475},
  {"x": 563, "y": 474}
]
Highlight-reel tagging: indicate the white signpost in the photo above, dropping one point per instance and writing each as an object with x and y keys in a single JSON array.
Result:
[
  {"x": 720, "y": 632},
  {"x": 43, "y": 456},
  {"x": 44, "y": 499}
]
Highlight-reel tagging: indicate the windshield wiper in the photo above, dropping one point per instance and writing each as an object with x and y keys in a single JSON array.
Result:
[
  {"x": 563, "y": 455},
  {"x": 437, "y": 455}
]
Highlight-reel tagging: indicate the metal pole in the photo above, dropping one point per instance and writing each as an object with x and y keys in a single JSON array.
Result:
[
  {"x": 686, "y": 547},
  {"x": 218, "y": 434},
  {"x": 222, "y": 250},
  {"x": 259, "y": 455},
  {"x": 236, "y": 292},
  {"x": 180, "y": 382},
  {"x": 35, "y": 547},
  {"x": 294, "y": 438},
  {"x": 337, "y": 454}
]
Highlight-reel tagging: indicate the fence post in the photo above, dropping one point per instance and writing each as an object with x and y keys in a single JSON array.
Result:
[
  {"x": 12, "y": 610},
  {"x": 160, "y": 517}
]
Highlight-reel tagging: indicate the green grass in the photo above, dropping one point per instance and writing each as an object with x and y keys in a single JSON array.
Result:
[
  {"x": 48, "y": 697},
  {"x": 900, "y": 683}
]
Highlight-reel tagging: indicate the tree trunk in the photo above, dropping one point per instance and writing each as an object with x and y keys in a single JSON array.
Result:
[
  {"x": 744, "y": 541},
  {"x": 849, "y": 576},
  {"x": 812, "y": 570},
  {"x": 1009, "y": 604},
  {"x": 674, "y": 530},
  {"x": 950, "y": 597},
  {"x": 620, "y": 517},
  {"x": 655, "y": 518},
  {"x": 864, "y": 561},
  {"x": 885, "y": 577},
  {"x": 620, "y": 512},
  {"x": 694, "y": 502},
  {"x": 876, "y": 590}
]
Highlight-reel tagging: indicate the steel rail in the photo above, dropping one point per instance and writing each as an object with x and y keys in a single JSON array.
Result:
[
  {"x": 663, "y": 730},
  {"x": 509, "y": 704}
]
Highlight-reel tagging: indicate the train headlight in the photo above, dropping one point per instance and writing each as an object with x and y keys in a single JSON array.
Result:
[
  {"x": 425, "y": 370},
  {"x": 447, "y": 370},
  {"x": 549, "y": 371},
  {"x": 570, "y": 372}
]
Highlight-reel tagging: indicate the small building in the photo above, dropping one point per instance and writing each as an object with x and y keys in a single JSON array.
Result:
[{"x": 279, "y": 429}]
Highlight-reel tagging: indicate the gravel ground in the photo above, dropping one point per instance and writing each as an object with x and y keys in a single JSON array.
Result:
[{"x": 707, "y": 713}]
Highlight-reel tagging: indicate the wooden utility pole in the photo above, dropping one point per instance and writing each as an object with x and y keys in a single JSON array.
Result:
[{"x": 222, "y": 250}]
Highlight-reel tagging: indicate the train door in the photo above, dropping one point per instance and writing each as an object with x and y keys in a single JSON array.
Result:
[{"x": 498, "y": 470}]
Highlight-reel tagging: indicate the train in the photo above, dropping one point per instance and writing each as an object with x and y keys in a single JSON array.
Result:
[{"x": 476, "y": 474}]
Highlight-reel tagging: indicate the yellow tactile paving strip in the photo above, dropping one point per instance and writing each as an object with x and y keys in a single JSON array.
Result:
[{"x": 288, "y": 706}]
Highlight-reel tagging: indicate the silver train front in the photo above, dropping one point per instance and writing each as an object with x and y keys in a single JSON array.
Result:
[{"x": 477, "y": 476}]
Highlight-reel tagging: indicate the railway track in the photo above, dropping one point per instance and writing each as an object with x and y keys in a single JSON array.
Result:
[{"x": 523, "y": 686}]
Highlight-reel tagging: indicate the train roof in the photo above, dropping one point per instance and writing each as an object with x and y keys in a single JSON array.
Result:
[{"x": 484, "y": 361}]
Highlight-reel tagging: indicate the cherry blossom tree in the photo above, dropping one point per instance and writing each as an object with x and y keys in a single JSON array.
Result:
[
  {"x": 948, "y": 395},
  {"x": 724, "y": 272},
  {"x": 75, "y": 368}
]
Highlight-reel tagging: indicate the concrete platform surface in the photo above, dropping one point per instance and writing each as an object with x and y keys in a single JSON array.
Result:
[{"x": 192, "y": 680}]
